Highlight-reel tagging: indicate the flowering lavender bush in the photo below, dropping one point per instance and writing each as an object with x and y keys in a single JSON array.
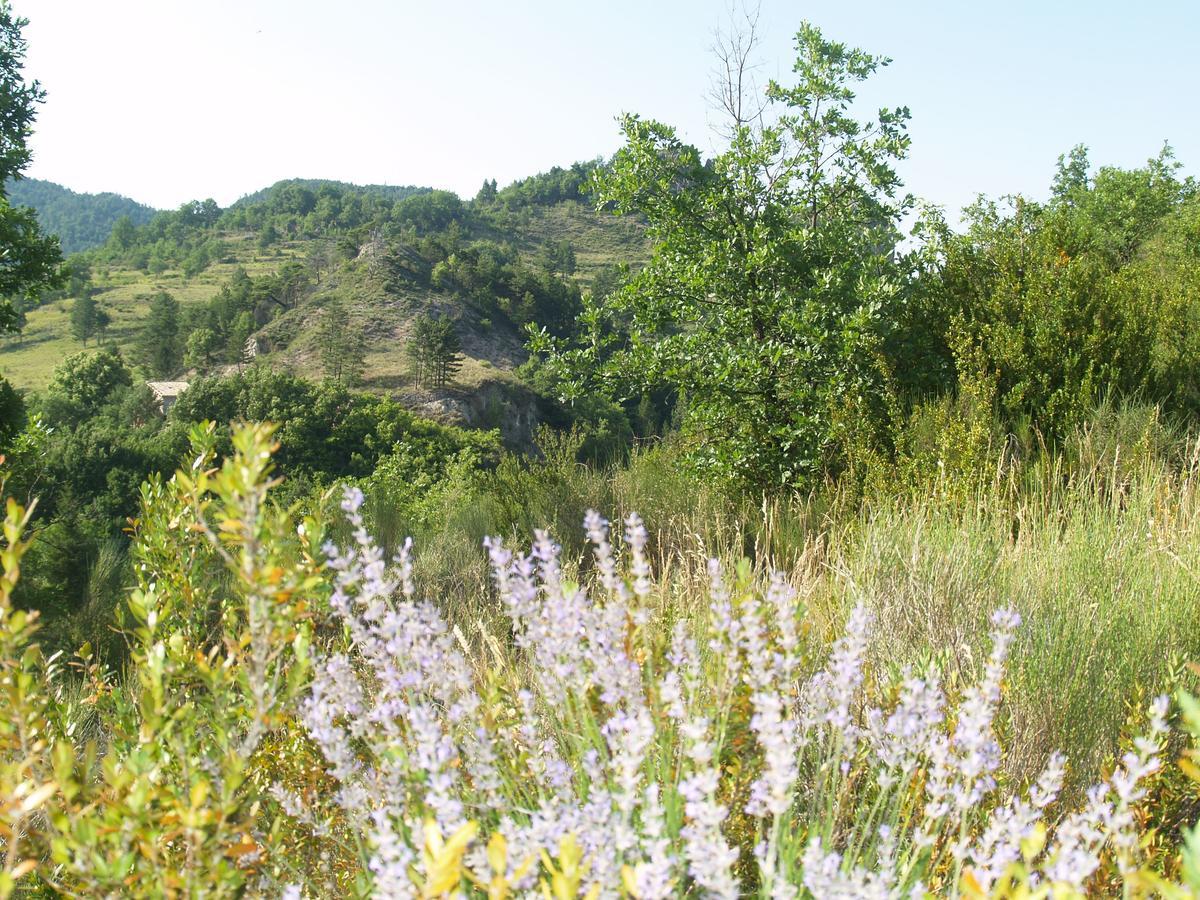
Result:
[{"x": 613, "y": 751}]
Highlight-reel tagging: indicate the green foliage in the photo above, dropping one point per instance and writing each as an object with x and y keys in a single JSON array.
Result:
[
  {"x": 88, "y": 379},
  {"x": 547, "y": 188},
  {"x": 80, "y": 221},
  {"x": 1056, "y": 306},
  {"x": 30, "y": 259},
  {"x": 12, "y": 414},
  {"x": 88, "y": 318},
  {"x": 142, "y": 815},
  {"x": 95, "y": 436},
  {"x": 201, "y": 348},
  {"x": 434, "y": 351},
  {"x": 160, "y": 348},
  {"x": 769, "y": 296},
  {"x": 325, "y": 431},
  {"x": 341, "y": 344}
]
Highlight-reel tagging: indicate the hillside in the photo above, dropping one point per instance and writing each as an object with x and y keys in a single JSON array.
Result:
[
  {"x": 384, "y": 191},
  {"x": 273, "y": 267},
  {"x": 81, "y": 221}
]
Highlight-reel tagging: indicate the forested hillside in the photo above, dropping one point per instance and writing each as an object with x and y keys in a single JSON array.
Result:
[
  {"x": 314, "y": 185},
  {"x": 81, "y": 221},
  {"x": 330, "y": 280}
]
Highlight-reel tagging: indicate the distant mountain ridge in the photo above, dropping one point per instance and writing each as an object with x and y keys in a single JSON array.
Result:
[
  {"x": 83, "y": 221},
  {"x": 80, "y": 220},
  {"x": 391, "y": 192}
]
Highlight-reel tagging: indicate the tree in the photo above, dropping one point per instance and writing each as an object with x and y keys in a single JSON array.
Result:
[
  {"x": 201, "y": 346},
  {"x": 239, "y": 333},
  {"x": 434, "y": 351},
  {"x": 558, "y": 258},
  {"x": 12, "y": 413},
  {"x": 321, "y": 258},
  {"x": 768, "y": 297},
  {"x": 88, "y": 319},
  {"x": 342, "y": 351},
  {"x": 159, "y": 346},
  {"x": 89, "y": 378},
  {"x": 30, "y": 261},
  {"x": 487, "y": 193},
  {"x": 124, "y": 234},
  {"x": 1043, "y": 310}
]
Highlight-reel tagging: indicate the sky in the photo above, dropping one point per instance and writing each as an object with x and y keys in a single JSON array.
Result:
[{"x": 166, "y": 101}]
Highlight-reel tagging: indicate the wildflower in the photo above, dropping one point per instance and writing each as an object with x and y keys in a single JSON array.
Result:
[
  {"x": 1108, "y": 817},
  {"x": 900, "y": 741},
  {"x": 390, "y": 861},
  {"x": 963, "y": 765},
  {"x": 654, "y": 877},
  {"x": 777, "y": 732},
  {"x": 606, "y": 565},
  {"x": 830, "y": 694},
  {"x": 636, "y": 538},
  {"x": 1012, "y": 825},
  {"x": 710, "y": 858},
  {"x": 825, "y": 877}
]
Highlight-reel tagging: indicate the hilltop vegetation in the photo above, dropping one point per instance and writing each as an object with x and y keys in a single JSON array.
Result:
[
  {"x": 81, "y": 221},
  {"x": 316, "y": 186}
]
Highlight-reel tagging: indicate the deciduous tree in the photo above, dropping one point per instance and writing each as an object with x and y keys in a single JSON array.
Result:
[
  {"x": 30, "y": 261},
  {"x": 768, "y": 296}
]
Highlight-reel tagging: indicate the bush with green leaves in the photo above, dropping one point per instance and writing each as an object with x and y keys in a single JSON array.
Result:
[{"x": 770, "y": 293}]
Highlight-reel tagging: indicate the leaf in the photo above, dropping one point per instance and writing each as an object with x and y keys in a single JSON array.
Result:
[
  {"x": 39, "y": 796},
  {"x": 1032, "y": 845},
  {"x": 497, "y": 853}
]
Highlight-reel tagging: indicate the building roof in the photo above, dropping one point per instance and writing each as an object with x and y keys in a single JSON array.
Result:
[{"x": 167, "y": 388}]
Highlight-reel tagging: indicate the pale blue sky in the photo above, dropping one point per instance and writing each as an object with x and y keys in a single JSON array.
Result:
[{"x": 169, "y": 100}]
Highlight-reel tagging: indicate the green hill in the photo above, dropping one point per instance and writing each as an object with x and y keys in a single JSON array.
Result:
[
  {"x": 81, "y": 221},
  {"x": 314, "y": 185},
  {"x": 269, "y": 269}
]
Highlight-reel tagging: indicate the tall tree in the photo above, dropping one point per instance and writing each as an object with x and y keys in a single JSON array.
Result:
[
  {"x": 767, "y": 300},
  {"x": 88, "y": 378},
  {"x": 160, "y": 345},
  {"x": 124, "y": 233},
  {"x": 88, "y": 318},
  {"x": 434, "y": 351},
  {"x": 201, "y": 347},
  {"x": 30, "y": 261},
  {"x": 342, "y": 350},
  {"x": 447, "y": 352}
]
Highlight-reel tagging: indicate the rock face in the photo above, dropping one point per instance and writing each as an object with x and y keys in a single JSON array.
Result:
[{"x": 511, "y": 409}]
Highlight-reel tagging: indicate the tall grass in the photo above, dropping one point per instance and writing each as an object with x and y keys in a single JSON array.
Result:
[
  {"x": 1097, "y": 545},
  {"x": 855, "y": 709}
]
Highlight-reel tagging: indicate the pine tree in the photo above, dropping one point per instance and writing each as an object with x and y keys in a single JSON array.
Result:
[
  {"x": 83, "y": 317},
  {"x": 447, "y": 352},
  {"x": 342, "y": 351},
  {"x": 160, "y": 346},
  {"x": 434, "y": 351}
]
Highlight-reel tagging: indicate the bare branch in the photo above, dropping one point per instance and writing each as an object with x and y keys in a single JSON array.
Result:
[{"x": 734, "y": 91}]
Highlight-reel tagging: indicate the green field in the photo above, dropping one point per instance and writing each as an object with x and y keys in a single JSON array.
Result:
[{"x": 28, "y": 359}]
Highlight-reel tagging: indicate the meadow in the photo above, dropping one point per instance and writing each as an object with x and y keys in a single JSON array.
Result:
[
  {"x": 28, "y": 359},
  {"x": 959, "y": 690}
]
